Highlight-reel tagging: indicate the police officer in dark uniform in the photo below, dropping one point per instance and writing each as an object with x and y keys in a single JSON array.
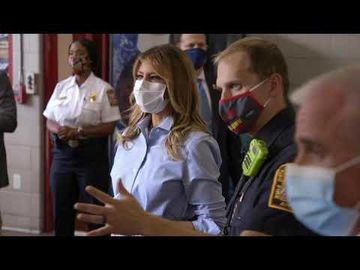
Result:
[
  {"x": 81, "y": 114},
  {"x": 252, "y": 75}
]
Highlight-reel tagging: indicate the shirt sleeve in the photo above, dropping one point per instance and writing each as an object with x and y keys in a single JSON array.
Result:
[
  {"x": 202, "y": 186},
  {"x": 110, "y": 110},
  {"x": 49, "y": 110}
]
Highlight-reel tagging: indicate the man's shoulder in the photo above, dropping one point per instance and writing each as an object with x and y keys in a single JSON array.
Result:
[
  {"x": 286, "y": 153},
  {"x": 283, "y": 146}
]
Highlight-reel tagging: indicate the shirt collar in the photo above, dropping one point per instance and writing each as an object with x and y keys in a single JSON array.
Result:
[
  {"x": 143, "y": 124},
  {"x": 72, "y": 81},
  {"x": 165, "y": 124},
  {"x": 88, "y": 80},
  {"x": 276, "y": 125},
  {"x": 201, "y": 75}
]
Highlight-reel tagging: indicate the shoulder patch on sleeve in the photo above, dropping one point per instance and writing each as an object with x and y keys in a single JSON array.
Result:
[
  {"x": 277, "y": 197},
  {"x": 111, "y": 97}
]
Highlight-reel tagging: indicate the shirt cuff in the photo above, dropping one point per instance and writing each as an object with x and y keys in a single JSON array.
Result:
[{"x": 207, "y": 226}]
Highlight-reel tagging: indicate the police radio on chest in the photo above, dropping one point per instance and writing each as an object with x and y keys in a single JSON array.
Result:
[{"x": 255, "y": 157}]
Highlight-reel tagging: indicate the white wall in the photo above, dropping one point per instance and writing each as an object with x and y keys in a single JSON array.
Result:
[
  {"x": 64, "y": 69},
  {"x": 22, "y": 208},
  {"x": 309, "y": 55},
  {"x": 146, "y": 41}
]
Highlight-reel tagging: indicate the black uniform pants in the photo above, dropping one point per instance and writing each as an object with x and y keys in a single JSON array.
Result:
[{"x": 71, "y": 171}]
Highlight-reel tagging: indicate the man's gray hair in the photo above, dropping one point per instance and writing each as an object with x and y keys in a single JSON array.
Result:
[{"x": 346, "y": 79}]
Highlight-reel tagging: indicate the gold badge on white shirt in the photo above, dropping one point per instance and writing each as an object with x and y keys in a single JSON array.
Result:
[{"x": 92, "y": 97}]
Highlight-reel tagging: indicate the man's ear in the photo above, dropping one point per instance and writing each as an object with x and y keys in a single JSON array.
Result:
[{"x": 276, "y": 85}]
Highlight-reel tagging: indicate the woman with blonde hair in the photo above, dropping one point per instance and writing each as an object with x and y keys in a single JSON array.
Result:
[{"x": 165, "y": 158}]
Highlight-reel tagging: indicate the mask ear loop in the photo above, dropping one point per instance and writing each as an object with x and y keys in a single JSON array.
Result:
[
  {"x": 256, "y": 86},
  {"x": 267, "y": 102},
  {"x": 347, "y": 164}
]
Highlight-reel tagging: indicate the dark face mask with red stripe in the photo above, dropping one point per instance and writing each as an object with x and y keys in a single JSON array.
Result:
[{"x": 241, "y": 112}]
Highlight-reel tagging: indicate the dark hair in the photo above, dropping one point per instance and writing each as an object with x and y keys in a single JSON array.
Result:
[
  {"x": 174, "y": 39},
  {"x": 91, "y": 49}
]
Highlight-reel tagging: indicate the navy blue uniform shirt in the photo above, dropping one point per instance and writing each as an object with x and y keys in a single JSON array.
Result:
[{"x": 252, "y": 211}]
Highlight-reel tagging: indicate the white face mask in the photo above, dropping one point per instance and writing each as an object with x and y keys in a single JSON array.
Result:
[
  {"x": 310, "y": 192},
  {"x": 150, "y": 96}
]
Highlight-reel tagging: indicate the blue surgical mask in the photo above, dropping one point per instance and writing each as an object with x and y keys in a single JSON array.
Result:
[
  {"x": 197, "y": 56},
  {"x": 310, "y": 193}
]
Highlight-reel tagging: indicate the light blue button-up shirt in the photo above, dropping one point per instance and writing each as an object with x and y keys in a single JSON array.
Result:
[{"x": 186, "y": 189}]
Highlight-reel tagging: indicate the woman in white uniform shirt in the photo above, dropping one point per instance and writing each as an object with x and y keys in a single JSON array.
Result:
[
  {"x": 81, "y": 113},
  {"x": 166, "y": 158}
]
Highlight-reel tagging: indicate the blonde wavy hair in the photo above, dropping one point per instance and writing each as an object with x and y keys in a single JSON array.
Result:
[{"x": 176, "y": 69}]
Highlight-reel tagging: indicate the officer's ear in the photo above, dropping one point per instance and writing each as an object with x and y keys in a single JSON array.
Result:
[{"x": 276, "y": 85}]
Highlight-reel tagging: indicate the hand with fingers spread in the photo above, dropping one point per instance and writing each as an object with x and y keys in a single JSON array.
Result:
[{"x": 121, "y": 216}]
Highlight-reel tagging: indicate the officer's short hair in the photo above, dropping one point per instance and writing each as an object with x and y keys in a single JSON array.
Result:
[
  {"x": 91, "y": 49},
  {"x": 265, "y": 57},
  {"x": 175, "y": 39}
]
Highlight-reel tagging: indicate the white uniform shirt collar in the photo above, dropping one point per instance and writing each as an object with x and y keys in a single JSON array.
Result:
[{"x": 88, "y": 81}]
